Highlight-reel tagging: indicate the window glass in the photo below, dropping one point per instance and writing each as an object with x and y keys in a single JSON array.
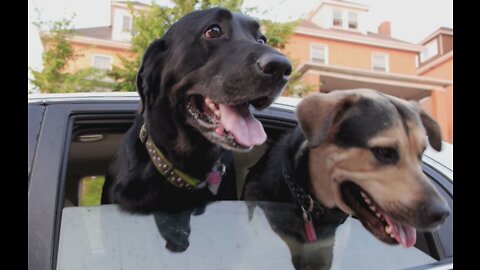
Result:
[
  {"x": 379, "y": 62},
  {"x": 224, "y": 235},
  {"x": 102, "y": 62},
  {"x": 352, "y": 20},
  {"x": 337, "y": 17},
  {"x": 429, "y": 51},
  {"x": 318, "y": 53},
  {"x": 127, "y": 24}
]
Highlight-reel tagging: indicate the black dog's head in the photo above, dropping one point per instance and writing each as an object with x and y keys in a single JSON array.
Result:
[{"x": 203, "y": 74}]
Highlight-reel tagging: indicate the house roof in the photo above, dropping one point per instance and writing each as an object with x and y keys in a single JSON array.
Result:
[
  {"x": 441, "y": 30},
  {"x": 103, "y": 32},
  {"x": 311, "y": 25}
]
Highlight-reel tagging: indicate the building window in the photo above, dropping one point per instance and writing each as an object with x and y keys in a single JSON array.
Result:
[
  {"x": 352, "y": 20},
  {"x": 380, "y": 62},
  {"x": 429, "y": 51},
  {"x": 319, "y": 53},
  {"x": 337, "y": 17},
  {"x": 102, "y": 61},
  {"x": 127, "y": 24}
]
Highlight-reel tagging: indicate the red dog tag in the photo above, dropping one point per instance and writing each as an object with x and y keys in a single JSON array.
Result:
[
  {"x": 214, "y": 179},
  {"x": 309, "y": 229}
]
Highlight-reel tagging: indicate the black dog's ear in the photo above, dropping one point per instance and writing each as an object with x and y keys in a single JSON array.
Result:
[
  {"x": 140, "y": 89},
  {"x": 317, "y": 113},
  {"x": 432, "y": 128},
  {"x": 151, "y": 65}
]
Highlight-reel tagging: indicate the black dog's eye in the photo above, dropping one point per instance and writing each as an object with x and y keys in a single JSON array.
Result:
[
  {"x": 262, "y": 40},
  {"x": 385, "y": 155},
  {"x": 214, "y": 31}
]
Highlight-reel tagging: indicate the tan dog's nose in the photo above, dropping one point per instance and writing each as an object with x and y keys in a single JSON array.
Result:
[{"x": 437, "y": 213}]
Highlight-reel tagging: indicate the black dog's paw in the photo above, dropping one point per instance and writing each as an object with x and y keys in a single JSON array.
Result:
[
  {"x": 200, "y": 210},
  {"x": 177, "y": 246}
]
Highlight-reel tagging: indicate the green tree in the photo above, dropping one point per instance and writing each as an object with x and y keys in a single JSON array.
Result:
[
  {"x": 58, "y": 52},
  {"x": 152, "y": 24}
]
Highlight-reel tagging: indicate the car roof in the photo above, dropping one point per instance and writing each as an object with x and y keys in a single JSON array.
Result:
[{"x": 288, "y": 102}]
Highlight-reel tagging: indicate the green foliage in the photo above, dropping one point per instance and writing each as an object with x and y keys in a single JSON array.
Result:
[
  {"x": 296, "y": 87},
  {"x": 57, "y": 54},
  {"x": 91, "y": 190},
  {"x": 278, "y": 33},
  {"x": 152, "y": 24}
]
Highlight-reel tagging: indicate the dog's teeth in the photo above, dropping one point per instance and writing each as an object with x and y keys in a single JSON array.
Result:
[
  {"x": 367, "y": 200},
  {"x": 363, "y": 194},
  {"x": 372, "y": 207},
  {"x": 378, "y": 215},
  {"x": 217, "y": 113},
  {"x": 388, "y": 229},
  {"x": 391, "y": 235},
  {"x": 211, "y": 106}
]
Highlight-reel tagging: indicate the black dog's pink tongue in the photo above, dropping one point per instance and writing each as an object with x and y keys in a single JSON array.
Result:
[
  {"x": 404, "y": 234},
  {"x": 247, "y": 130}
]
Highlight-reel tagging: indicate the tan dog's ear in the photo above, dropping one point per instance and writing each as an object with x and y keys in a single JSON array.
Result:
[
  {"x": 318, "y": 112},
  {"x": 434, "y": 132}
]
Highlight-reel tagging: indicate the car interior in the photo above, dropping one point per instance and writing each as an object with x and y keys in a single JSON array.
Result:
[{"x": 94, "y": 142}]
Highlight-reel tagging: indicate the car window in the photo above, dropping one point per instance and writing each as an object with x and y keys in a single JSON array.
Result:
[{"x": 223, "y": 235}]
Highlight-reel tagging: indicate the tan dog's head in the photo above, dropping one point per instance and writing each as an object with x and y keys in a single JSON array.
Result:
[{"x": 365, "y": 158}]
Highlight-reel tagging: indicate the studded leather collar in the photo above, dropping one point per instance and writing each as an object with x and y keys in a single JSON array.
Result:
[{"x": 175, "y": 176}]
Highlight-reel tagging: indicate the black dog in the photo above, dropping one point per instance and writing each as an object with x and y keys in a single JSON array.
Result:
[{"x": 196, "y": 84}]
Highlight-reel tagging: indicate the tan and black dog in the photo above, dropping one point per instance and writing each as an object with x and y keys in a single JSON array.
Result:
[{"x": 355, "y": 152}]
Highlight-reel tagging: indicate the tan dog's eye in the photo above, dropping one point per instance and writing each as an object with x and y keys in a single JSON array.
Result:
[
  {"x": 385, "y": 155},
  {"x": 214, "y": 31}
]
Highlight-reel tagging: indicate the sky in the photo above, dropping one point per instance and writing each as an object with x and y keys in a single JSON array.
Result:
[{"x": 411, "y": 20}]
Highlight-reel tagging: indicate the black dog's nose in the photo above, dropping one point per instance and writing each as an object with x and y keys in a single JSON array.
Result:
[{"x": 274, "y": 64}]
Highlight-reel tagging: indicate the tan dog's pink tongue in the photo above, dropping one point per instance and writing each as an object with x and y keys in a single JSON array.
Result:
[
  {"x": 244, "y": 127},
  {"x": 404, "y": 234}
]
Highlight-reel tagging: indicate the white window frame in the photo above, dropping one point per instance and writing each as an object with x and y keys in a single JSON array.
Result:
[
  {"x": 341, "y": 18},
  {"x": 325, "y": 50},
  {"x": 426, "y": 49},
  {"x": 130, "y": 25},
  {"x": 349, "y": 20},
  {"x": 101, "y": 55},
  {"x": 387, "y": 61}
]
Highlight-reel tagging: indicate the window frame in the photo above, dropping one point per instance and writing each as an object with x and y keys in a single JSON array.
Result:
[
  {"x": 350, "y": 20},
  {"x": 130, "y": 24},
  {"x": 386, "y": 61},
  {"x": 426, "y": 49},
  {"x": 339, "y": 20},
  {"x": 325, "y": 53},
  {"x": 101, "y": 55},
  {"x": 47, "y": 178}
]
